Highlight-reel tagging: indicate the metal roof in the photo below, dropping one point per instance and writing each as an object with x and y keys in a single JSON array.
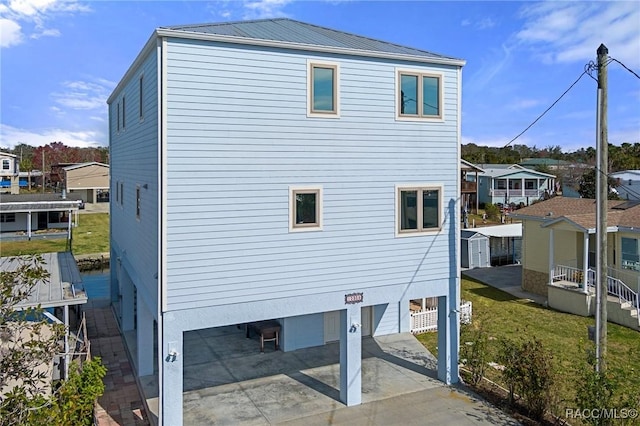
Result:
[
  {"x": 13, "y": 203},
  {"x": 81, "y": 165},
  {"x": 499, "y": 231},
  {"x": 64, "y": 286},
  {"x": 290, "y": 31}
]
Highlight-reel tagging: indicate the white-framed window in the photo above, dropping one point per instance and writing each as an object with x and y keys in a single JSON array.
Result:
[
  {"x": 323, "y": 92},
  {"x": 138, "y": 202},
  {"x": 140, "y": 97},
  {"x": 630, "y": 248},
  {"x": 419, "y": 95},
  {"x": 7, "y": 217},
  {"x": 6, "y": 164},
  {"x": 418, "y": 209},
  {"x": 124, "y": 113},
  {"x": 305, "y": 208}
]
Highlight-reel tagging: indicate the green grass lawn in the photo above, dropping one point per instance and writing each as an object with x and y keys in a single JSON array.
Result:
[
  {"x": 503, "y": 315},
  {"x": 91, "y": 236}
]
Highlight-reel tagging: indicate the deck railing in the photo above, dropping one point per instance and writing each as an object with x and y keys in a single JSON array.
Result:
[
  {"x": 615, "y": 287},
  {"x": 427, "y": 319}
]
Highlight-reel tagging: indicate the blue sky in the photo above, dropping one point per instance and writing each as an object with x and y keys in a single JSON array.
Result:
[{"x": 60, "y": 60}]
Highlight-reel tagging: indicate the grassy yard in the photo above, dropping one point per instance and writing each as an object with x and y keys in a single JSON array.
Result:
[
  {"x": 502, "y": 315},
  {"x": 91, "y": 236}
]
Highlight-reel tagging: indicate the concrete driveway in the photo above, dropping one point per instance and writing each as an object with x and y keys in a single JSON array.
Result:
[{"x": 227, "y": 381}]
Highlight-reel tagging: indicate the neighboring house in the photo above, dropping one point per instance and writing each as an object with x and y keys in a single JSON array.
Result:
[
  {"x": 469, "y": 185},
  {"x": 628, "y": 184},
  {"x": 511, "y": 183},
  {"x": 33, "y": 212},
  {"x": 504, "y": 244},
  {"x": 559, "y": 253},
  {"x": 89, "y": 181},
  {"x": 277, "y": 170},
  {"x": 9, "y": 172}
]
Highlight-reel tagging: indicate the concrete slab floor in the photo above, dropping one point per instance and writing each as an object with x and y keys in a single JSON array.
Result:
[{"x": 228, "y": 382}]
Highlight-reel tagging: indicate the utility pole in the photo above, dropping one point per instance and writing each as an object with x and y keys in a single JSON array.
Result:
[
  {"x": 43, "y": 179},
  {"x": 602, "y": 197}
]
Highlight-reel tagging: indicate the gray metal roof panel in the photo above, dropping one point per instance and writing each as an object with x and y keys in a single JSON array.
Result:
[{"x": 291, "y": 31}]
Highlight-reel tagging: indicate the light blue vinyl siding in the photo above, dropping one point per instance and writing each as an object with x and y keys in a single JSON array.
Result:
[
  {"x": 134, "y": 161},
  {"x": 238, "y": 137}
]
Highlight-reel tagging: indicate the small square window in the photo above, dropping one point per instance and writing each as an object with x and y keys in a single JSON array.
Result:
[
  {"x": 323, "y": 90},
  {"x": 418, "y": 209},
  {"x": 305, "y": 208},
  {"x": 419, "y": 95},
  {"x": 7, "y": 217}
]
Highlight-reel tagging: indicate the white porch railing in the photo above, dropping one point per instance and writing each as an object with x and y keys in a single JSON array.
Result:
[
  {"x": 427, "y": 319},
  {"x": 615, "y": 286}
]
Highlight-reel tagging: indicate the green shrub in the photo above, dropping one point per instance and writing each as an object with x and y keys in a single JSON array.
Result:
[
  {"x": 492, "y": 211},
  {"x": 474, "y": 351}
]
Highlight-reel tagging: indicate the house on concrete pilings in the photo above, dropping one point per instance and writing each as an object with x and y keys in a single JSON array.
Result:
[{"x": 277, "y": 170}]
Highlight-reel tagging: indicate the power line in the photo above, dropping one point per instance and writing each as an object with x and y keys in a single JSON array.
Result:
[
  {"x": 546, "y": 110},
  {"x": 625, "y": 67}
]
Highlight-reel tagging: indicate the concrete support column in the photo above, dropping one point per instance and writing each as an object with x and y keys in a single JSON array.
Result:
[
  {"x": 144, "y": 339},
  {"x": 171, "y": 372},
  {"x": 424, "y": 303},
  {"x": 448, "y": 338},
  {"x": 69, "y": 225},
  {"x": 351, "y": 355},
  {"x": 551, "y": 256},
  {"x": 585, "y": 264},
  {"x": 404, "y": 316},
  {"x": 127, "y": 302},
  {"x": 29, "y": 225}
]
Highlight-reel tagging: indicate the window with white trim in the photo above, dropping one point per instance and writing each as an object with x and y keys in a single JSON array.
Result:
[
  {"x": 6, "y": 164},
  {"x": 323, "y": 93},
  {"x": 419, "y": 95},
  {"x": 418, "y": 209},
  {"x": 138, "y": 202},
  {"x": 305, "y": 208},
  {"x": 7, "y": 217},
  {"x": 140, "y": 94}
]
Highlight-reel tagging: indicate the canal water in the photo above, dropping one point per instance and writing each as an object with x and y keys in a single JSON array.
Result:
[{"x": 96, "y": 284}]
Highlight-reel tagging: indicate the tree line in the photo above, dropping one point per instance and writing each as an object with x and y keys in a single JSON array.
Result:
[
  {"x": 623, "y": 157},
  {"x": 30, "y": 157}
]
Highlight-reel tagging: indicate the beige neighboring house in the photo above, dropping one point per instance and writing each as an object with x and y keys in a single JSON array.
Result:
[
  {"x": 89, "y": 181},
  {"x": 559, "y": 255}
]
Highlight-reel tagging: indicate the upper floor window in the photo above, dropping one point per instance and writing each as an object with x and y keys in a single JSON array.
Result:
[
  {"x": 418, "y": 209},
  {"x": 121, "y": 194},
  {"x": 118, "y": 120},
  {"x": 323, "y": 89},
  {"x": 140, "y": 109},
  {"x": 124, "y": 114},
  {"x": 630, "y": 253},
  {"x": 305, "y": 208},
  {"x": 419, "y": 95},
  {"x": 6, "y": 164},
  {"x": 138, "y": 202}
]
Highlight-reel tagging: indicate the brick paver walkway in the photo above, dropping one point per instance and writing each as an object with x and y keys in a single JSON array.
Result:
[{"x": 121, "y": 403}]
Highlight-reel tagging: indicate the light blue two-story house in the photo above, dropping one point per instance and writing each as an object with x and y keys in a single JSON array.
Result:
[
  {"x": 277, "y": 170},
  {"x": 512, "y": 183}
]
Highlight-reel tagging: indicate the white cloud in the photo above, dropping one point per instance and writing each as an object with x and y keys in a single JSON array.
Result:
[
  {"x": 561, "y": 32},
  {"x": 21, "y": 19},
  {"x": 84, "y": 95},
  {"x": 521, "y": 104},
  {"x": 262, "y": 9},
  {"x": 11, "y": 136},
  {"x": 10, "y": 33}
]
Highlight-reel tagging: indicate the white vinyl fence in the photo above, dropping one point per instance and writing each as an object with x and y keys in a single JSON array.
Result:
[{"x": 427, "y": 320}]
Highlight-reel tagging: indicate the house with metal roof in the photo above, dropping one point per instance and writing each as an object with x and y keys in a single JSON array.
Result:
[
  {"x": 297, "y": 181},
  {"x": 513, "y": 184},
  {"x": 628, "y": 184},
  {"x": 559, "y": 255},
  {"x": 33, "y": 212}
]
